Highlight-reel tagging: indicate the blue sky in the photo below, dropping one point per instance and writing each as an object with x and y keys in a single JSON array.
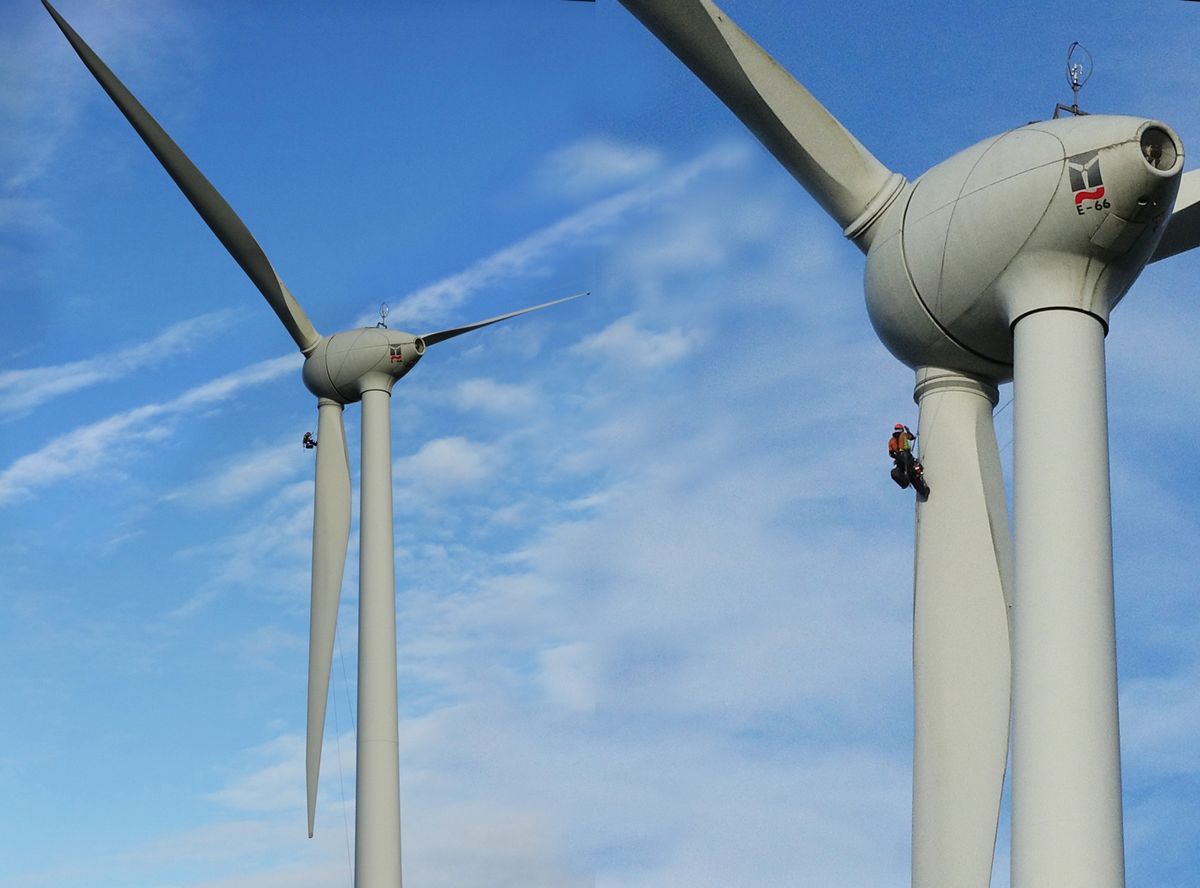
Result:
[{"x": 654, "y": 584}]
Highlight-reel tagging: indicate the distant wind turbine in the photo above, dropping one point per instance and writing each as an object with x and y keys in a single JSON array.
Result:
[
  {"x": 1000, "y": 263},
  {"x": 357, "y": 365}
]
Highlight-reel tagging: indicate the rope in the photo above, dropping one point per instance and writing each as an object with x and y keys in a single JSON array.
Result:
[{"x": 1005, "y": 406}]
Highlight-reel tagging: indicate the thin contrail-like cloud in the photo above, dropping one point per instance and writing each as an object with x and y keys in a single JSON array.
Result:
[
  {"x": 96, "y": 446},
  {"x": 99, "y": 445},
  {"x": 430, "y": 303},
  {"x": 26, "y": 389}
]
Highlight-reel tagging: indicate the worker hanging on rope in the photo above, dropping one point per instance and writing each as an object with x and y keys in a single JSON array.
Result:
[{"x": 906, "y": 468}]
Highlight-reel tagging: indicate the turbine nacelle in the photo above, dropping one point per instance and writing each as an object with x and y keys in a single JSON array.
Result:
[
  {"x": 344, "y": 365},
  {"x": 1060, "y": 213}
]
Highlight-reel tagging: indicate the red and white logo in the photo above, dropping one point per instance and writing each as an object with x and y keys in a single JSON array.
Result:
[{"x": 1086, "y": 181}]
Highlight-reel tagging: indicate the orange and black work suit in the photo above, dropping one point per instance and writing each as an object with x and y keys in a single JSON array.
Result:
[{"x": 900, "y": 450}]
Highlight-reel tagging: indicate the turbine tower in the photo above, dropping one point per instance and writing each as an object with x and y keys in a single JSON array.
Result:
[
  {"x": 1001, "y": 263},
  {"x": 342, "y": 368}
]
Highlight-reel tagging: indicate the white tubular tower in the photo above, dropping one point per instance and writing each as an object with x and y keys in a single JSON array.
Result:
[
  {"x": 377, "y": 808},
  {"x": 1066, "y": 804}
]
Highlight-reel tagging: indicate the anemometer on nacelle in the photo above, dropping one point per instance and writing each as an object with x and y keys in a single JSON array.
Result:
[{"x": 1079, "y": 71}]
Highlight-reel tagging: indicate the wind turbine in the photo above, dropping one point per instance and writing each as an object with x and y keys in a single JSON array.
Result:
[
  {"x": 342, "y": 368},
  {"x": 1001, "y": 263}
]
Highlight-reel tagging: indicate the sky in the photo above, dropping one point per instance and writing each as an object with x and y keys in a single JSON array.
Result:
[{"x": 653, "y": 579}]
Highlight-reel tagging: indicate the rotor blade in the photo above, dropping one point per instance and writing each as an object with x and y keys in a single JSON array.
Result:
[
  {"x": 1183, "y": 228},
  {"x": 443, "y": 335},
  {"x": 219, "y": 216},
  {"x": 961, "y": 652},
  {"x": 331, "y": 534},
  {"x": 843, "y": 176}
]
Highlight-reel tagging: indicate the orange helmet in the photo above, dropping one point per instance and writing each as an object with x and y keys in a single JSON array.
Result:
[{"x": 899, "y": 426}]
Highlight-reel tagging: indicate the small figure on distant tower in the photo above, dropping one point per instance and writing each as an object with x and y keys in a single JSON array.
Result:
[
  {"x": 906, "y": 468},
  {"x": 309, "y": 441}
]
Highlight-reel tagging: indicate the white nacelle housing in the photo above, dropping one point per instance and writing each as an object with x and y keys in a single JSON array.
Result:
[
  {"x": 345, "y": 365},
  {"x": 1057, "y": 214}
]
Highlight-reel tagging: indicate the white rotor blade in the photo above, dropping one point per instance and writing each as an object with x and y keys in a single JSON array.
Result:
[
  {"x": 331, "y": 534},
  {"x": 443, "y": 335},
  {"x": 1183, "y": 228},
  {"x": 811, "y": 144},
  {"x": 219, "y": 216},
  {"x": 961, "y": 654}
]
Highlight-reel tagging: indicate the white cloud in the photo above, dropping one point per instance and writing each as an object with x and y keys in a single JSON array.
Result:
[
  {"x": 247, "y": 474},
  {"x": 110, "y": 443},
  {"x": 623, "y": 343},
  {"x": 568, "y": 675},
  {"x": 689, "y": 242},
  {"x": 82, "y": 451},
  {"x": 489, "y": 396},
  {"x": 25, "y": 214},
  {"x": 724, "y": 653},
  {"x": 46, "y": 87},
  {"x": 223, "y": 386},
  {"x": 272, "y": 786},
  {"x": 447, "y": 463},
  {"x": 487, "y": 846},
  {"x": 268, "y": 552},
  {"x": 274, "y": 780},
  {"x": 319, "y": 874},
  {"x": 245, "y": 845},
  {"x": 1159, "y": 717},
  {"x": 524, "y": 258},
  {"x": 696, "y": 672},
  {"x": 576, "y": 706},
  {"x": 579, "y": 703},
  {"x": 596, "y": 163},
  {"x": 267, "y": 645},
  {"x": 23, "y": 390}
]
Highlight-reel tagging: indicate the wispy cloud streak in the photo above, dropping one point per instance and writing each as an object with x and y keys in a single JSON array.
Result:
[
  {"x": 102, "y": 444},
  {"x": 595, "y": 163},
  {"x": 430, "y": 303},
  {"x": 24, "y": 390},
  {"x": 45, "y": 87}
]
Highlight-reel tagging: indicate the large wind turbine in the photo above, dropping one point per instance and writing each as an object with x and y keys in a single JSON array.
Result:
[
  {"x": 1000, "y": 263},
  {"x": 356, "y": 365}
]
